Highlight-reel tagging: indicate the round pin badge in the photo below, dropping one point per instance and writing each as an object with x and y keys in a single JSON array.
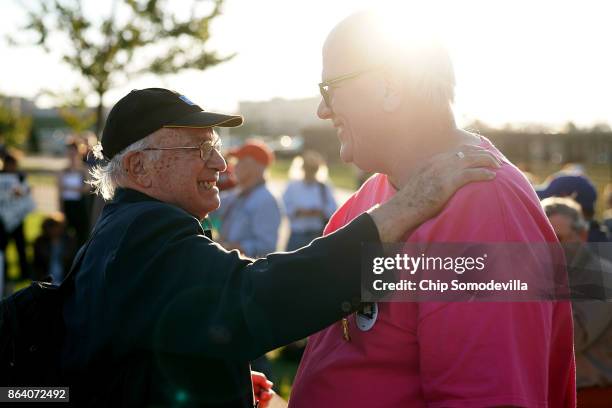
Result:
[{"x": 366, "y": 316}]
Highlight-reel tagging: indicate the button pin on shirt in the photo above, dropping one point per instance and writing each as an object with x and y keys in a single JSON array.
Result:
[
  {"x": 345, "y": 329},
  {"x": 365, "y": 319},
  {"x": 366, "y": 316}
]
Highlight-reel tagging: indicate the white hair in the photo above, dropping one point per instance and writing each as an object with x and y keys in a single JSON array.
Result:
[
  {"x": 106, "y": 176},
  {"x": 568, "y": 208}
]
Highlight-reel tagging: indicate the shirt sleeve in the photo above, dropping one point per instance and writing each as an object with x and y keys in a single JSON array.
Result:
[
  {"x": 194, "y": 297},
  {"x": 476, "y": 353}
]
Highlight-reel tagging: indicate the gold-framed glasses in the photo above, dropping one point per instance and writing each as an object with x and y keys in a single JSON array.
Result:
[
  {"x": 325, "y": 86},
  {"x": 206, "y": 148}
]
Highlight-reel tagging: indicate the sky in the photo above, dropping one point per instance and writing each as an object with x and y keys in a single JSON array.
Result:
[{"x": 520, "y": 61}]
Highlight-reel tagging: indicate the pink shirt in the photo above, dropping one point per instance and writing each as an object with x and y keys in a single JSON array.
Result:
[{"x": 449, "y": 354}]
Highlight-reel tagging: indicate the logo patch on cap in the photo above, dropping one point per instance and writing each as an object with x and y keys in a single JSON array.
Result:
[{"x": 186, "y": 100}]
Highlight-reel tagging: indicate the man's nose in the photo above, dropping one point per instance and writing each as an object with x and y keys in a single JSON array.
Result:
[
  {"x": 323, "y": 111},
  {"x": 217, "y": 162}
]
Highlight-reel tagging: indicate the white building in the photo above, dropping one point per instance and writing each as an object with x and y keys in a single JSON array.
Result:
[{"x": 280, "y": 116}]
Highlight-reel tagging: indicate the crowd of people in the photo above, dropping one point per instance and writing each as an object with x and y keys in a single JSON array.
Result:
[
  {"x": 61, "y": 232},
  {"x": 249, "y": 218}
]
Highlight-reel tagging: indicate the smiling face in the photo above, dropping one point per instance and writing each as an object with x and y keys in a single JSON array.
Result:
[
  {"x": 181, "y": 177},
  {"x": 362, "y": 108},
  {"x": 395, "y": 93},
  {"x": 355, "y": 109}
]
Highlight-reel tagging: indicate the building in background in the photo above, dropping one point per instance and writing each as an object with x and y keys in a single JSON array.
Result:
[{"x": 279, "y": 116}]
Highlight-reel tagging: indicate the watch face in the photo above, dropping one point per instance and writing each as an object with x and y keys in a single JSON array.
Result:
[{"x": 366, "y": 316}]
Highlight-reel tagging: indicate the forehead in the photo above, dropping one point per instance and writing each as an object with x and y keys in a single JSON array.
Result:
[
  {"x": 248, "y": 160},
  {"x": 189, "y": 135},
  {"x": 353, "y": 44},
  {"x": 337, "y": 58}
]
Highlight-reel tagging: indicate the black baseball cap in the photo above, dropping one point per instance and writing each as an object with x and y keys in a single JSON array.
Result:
[{"x": 143, "y": 111}]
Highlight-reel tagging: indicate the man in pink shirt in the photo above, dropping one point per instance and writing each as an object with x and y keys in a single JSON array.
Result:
[{"x": 389, "y": 118}]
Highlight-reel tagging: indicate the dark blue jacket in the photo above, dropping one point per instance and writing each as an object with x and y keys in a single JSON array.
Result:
[{"x": 161, "y": 315}]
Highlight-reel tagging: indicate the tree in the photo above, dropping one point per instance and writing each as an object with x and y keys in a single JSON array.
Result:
[
  {"x": 14, "y": 127},
  {"x": 73, "y": 110},
  {"x": 137, "y": 36}
]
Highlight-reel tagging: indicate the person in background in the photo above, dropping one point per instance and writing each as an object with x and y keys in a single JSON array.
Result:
[
  {"x": 607, "y": 215},
  {"x": 3, "y": 149},
  {"x": 73, "y": 190},
  {"x": 11, "y": 166},
  {"x": 54, "y": 250},
  {"x": 592, "y": 306},
  {"x": 227, "y": 180},
  {"x": 250, "y": 215},
  {"x": 309, "y": 202},
  {"x": 574, "y": 183}
]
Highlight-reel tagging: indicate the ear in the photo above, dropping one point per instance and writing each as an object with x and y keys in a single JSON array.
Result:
[
  {"x": 134, "y": 169},
  {"x": 393, "y": 91}
]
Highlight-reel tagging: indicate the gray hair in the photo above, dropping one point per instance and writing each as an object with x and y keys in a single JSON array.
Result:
[
  {"x": 568, "y": 208},
  {"x": 106, "y": 176}
]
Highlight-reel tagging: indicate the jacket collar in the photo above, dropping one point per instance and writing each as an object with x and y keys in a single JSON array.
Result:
[{"x": 128, "y": 195}]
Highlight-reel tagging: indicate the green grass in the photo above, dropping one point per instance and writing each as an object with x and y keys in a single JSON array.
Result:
[
  {"x": 42, "y": 179},
  {"x": 284, "y": 372}
]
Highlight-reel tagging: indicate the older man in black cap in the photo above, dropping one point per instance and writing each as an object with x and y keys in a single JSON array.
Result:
[{"x": 160, "y": 314}]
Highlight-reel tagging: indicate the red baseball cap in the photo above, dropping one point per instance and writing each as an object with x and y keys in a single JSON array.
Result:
[{"x": 254, "y": 149}]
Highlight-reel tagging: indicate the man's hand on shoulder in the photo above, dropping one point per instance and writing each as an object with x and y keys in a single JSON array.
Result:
[{"x": 432, "y": 185}]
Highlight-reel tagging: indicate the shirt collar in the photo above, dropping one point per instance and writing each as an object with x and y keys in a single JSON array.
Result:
[{"x": 128, "y": 195}]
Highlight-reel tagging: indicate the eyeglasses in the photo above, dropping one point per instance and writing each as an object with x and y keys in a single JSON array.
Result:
[
  {"x": 325, "y": 86},
  {"x": 206, "y": 148}
]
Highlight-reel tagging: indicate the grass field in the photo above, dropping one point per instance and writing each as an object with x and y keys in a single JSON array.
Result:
[{"x": 284, "y": 372}]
